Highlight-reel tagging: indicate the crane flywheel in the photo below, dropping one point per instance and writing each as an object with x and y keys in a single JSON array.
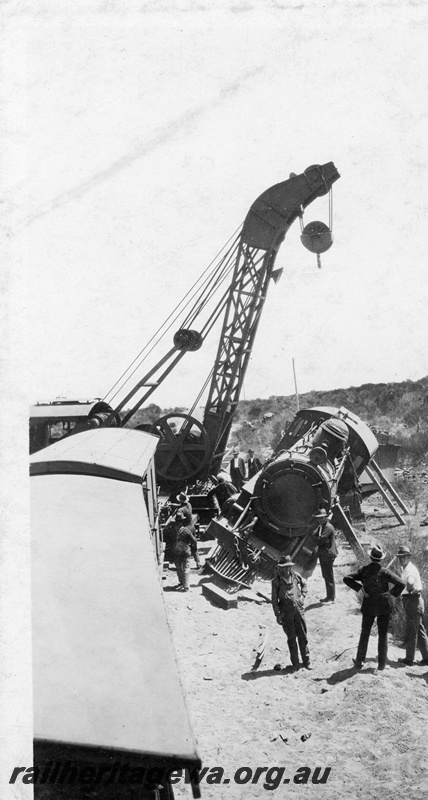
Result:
[{"x": 183, "y": 447}]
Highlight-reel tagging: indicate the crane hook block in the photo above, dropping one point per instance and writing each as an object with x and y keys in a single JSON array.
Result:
[
  {"x": 317, "y": 237},
  {"x": 186, "y": 339}
]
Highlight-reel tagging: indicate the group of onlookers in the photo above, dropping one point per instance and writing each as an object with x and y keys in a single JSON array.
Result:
[
  {"x": 378, "y": 585},
  {"x": 242, "y": 469}
]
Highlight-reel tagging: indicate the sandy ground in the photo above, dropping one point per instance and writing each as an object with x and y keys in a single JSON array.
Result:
[{"x": 370, "y": 728}]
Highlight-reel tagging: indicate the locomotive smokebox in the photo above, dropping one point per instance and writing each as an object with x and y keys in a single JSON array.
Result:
[{"x": 290, "y": 491}]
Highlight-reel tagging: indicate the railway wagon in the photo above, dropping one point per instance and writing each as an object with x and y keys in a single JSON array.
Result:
[{"x": 110, "y": 719}]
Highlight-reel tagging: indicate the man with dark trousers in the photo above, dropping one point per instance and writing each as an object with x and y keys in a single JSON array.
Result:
[
  {"x": 288, "y": 595},
  {"x": 254, "y": 464},
  {"x": 327, "y": 552},
  {"x": 414, "y": 607},
  {"x": 237, "y": 469},
  {"x": 186, "y": 546},
  {"x": 375, "y": 581}
]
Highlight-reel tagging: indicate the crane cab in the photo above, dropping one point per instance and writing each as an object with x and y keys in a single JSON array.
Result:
[{"x": 52, "y": 420}]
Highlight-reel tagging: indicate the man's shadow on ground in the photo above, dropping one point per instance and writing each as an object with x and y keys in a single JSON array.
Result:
[
  {"x": 344, "y": 674},
  {"x": 268, "y": 673},
  {"x": 315, "y": 605}
]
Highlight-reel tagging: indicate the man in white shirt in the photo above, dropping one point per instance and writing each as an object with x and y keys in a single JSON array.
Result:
[
  {"x": 237, "y": 469},
  {"x": 416, "y": 634}
]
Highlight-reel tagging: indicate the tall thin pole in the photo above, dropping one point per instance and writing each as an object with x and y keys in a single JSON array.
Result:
[{"x": 295, "y": 387}]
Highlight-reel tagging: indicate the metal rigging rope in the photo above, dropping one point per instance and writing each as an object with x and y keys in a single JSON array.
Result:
[{"x": 210, "y": 284}]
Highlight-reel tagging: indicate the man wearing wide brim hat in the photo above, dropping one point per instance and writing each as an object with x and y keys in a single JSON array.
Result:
[
  {"x": 326, "y": 552},
  {"x": 413, "y": 602},
  {"x": 184, "y": 505},
  {"x": 375, "y": 581},
  {"x": 288, "y": 595},
  {"x": 185, "y": 547}
]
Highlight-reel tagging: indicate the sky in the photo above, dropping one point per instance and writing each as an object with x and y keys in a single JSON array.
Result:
[{"x": 145, "y": 133}]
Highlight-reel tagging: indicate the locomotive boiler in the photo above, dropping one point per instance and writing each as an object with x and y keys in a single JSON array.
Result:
[{"x": 315, "y": 465}]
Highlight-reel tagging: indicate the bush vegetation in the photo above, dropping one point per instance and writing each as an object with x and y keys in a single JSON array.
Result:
[{"x": 399, "y": 409}]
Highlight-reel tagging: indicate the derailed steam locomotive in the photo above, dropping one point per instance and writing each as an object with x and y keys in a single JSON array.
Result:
[{"x": 316, "y": 463}]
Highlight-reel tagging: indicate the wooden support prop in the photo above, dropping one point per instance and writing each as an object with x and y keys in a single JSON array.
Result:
[
  {"x": 262, "y": 594},
  {"x": 388, "y": 485},
  {"x": 387, "y": 499},
  {"x": 219, "y": 596},
  {"x": 348, "y": 531},
  {"x": 260, "y": 648}
]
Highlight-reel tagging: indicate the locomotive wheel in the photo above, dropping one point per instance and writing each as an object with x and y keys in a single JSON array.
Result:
[{"x": 183, "y": 448}]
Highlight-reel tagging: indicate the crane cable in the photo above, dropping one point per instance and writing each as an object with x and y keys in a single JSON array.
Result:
[
  {"x": 330, "y": 212},
  {"x": 171, "y": 319},
  {"x": 208, "y": 325},
  {"x": 206, "y": 382},
  {"x": 214, "y": 280}
]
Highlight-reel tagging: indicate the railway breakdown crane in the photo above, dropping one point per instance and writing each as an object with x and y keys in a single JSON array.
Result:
[
  {"x": 254, "y": 254},
  {"x": 192, "y": 450}
]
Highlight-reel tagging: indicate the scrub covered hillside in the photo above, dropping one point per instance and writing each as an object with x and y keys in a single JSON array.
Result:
[
  {"x": 399, "y": 410},
  {"x": 396, "y": 410}
]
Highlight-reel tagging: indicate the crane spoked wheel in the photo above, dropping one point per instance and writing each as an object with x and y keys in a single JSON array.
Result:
[{"x": 183, "y": 448}]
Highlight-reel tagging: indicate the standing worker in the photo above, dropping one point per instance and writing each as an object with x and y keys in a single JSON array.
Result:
[
  {"x": 374, "y": 580},
  {"x": 221, "y": 492},
  {"x": 288, "y": 594},
  {"x": 237, "y": 469},
  {"x": 169, "y": 536},
  {"x": 254, "y": 464},
  {"x": 185, "y": 506},
  {"x": 413, "y": 603},
  {"x": 327, "y": 552},
  {"x": 185, "y": 547}
]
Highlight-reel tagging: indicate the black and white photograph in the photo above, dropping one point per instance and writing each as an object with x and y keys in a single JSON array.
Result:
[{"x": 214, "y": 417}]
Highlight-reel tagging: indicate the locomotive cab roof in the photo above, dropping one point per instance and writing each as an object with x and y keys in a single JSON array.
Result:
[{"x": 362, "y": 441}]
